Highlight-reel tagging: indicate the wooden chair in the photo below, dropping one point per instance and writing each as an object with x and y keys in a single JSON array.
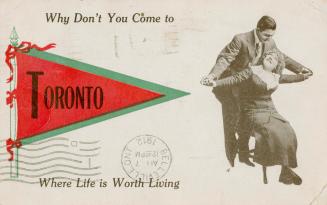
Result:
[{"x": 264, "y": 168}]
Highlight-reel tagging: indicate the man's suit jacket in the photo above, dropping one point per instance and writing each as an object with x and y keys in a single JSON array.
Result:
[{"x": 237, "y": 55}]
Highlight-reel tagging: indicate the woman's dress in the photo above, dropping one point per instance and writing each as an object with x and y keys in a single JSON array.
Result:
[{"x": 276, "y": 141}]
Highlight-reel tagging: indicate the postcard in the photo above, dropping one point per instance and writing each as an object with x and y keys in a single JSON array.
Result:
[{"x": 163, "y": 102}]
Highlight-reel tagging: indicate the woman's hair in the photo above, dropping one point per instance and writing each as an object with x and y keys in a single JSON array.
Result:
[{"x": 280, "y": 59}]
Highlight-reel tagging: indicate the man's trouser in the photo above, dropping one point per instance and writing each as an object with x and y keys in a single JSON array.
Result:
[{"x": 231, "y": 116}]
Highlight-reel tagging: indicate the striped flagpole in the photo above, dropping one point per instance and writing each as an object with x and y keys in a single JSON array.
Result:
[{"x": 13, "y": 111}]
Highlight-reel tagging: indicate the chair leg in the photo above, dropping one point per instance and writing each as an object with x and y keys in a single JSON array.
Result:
[{"x": 264, "y": 169}]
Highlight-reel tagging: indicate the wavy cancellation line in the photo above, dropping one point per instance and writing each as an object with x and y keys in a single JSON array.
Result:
[
  {"x": 52, "y": 166},
  {"x": 44, "y": 147},
  {"x": 76, "y": 151},
  {"x": 47, "y": 161},
  {"x": 91, "y": 142},
  {"x": 54, "y": 153},
  {"x": 65, "y": 156}
]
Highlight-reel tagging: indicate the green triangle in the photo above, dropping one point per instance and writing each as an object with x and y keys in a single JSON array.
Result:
[{"x": 168, "y": 93}]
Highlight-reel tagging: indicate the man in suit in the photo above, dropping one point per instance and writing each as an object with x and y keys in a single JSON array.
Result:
[{"x": 245, "y": 49}]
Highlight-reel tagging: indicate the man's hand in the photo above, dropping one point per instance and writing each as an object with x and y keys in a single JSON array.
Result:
[
  {"x": 208, "y": 80},
  {"x": 307, "y": 72},
  {"x": 306, "y": 75}
]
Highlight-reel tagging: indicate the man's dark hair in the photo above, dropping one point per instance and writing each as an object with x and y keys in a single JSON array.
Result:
[{"x": 266, "y": 22}]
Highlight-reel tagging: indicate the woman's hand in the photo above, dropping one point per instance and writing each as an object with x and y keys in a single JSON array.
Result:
[{"x": 208, "y": 80}]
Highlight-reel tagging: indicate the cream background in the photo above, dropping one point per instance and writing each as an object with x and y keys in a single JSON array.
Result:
[{"x": 178, "y": 55}]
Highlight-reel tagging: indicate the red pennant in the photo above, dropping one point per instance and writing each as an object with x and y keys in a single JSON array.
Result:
[{"x": 51, "y": 95}]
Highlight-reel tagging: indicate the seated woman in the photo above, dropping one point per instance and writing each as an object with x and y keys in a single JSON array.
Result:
[{"x": 276, "y": 141}]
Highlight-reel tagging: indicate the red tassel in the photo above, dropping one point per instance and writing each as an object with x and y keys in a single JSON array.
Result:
[
  {"x": 10, "y": 145},
  {"x": 24, "y": 47},
  {"x": 10, "y": 98}
]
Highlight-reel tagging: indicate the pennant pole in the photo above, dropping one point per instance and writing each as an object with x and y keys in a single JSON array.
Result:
[{"x": 13, "y": 111}]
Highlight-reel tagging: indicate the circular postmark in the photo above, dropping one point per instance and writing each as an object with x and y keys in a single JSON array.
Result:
[{"x": 146, "y": 157}]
